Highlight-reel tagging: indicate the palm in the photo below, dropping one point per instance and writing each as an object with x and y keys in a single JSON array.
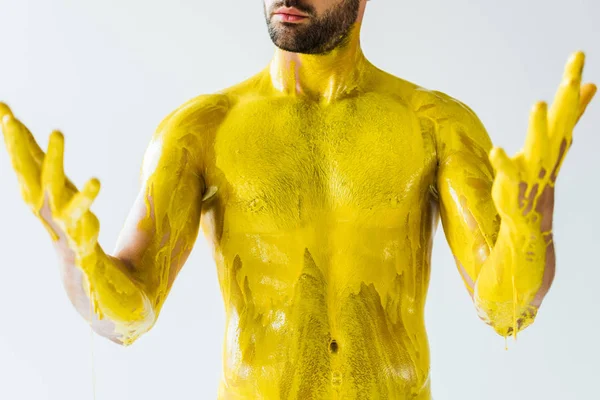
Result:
[
  {"x": 526, "y": 181},
  {"x": 46, "y": 190}
]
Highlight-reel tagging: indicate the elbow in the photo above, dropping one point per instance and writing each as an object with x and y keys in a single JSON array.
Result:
[
  {"x": 509, "y": 308},
  {"x": 116, "y": 339},
  {"x": 123, "y": 341},
  {"x": 121, "y": 334},
  {"x": 508, "y": 315},
  {"x": 130, "y": 332},
  {"x": 505, "y": 318},
  {"x": 124, "y": 336},
  {"x": 125, "y": 329}
]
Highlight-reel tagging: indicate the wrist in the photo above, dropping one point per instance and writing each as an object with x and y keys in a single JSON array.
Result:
[
  {"x": 524, "y": 236},
  {"x": 514, "y": 271}
]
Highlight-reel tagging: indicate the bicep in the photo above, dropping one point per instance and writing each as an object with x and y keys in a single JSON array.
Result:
[
  {"x": 464, "y": 182},
  {"x": 163, "y": 223},
  {"x": 468, "y": 212}
]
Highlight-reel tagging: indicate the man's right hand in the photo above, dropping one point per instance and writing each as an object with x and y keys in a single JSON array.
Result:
[{"x": 51, "y": 196}]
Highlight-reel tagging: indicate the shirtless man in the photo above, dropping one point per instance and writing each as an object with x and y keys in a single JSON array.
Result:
[{"x": 319, "y": 182}]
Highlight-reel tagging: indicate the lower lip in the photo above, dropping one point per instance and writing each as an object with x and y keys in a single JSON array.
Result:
[{"x": 290, "y": 17}]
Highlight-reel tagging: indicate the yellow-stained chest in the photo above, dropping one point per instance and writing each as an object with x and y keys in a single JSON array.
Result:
[
  {"x": 321, "y": 222},
  {"x": 283, "y": 162}
]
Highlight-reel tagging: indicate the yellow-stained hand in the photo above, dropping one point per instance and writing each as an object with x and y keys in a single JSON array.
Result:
[
  {"x": 526, "y": 181},
  {"x": 64, "y": 211}
]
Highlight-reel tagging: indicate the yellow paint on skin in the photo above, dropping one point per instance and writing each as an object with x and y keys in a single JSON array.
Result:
[{"x": 321, "y": 213}]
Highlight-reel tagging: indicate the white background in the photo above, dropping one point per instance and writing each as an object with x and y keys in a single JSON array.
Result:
[{"x": 107, "y": 72}]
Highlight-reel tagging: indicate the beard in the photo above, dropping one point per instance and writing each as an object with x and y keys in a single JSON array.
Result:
[{"x": 320, "y": 34}]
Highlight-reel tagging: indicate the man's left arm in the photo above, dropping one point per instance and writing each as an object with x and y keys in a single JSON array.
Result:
[{"x": 497, "y": 210}]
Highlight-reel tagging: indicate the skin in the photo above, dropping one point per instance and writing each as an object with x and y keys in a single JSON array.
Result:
[{"x": 319, "y": 182}]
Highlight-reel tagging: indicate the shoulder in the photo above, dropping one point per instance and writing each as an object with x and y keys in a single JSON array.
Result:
[
  {"x": 207, "y": 111},
  {"x": 438, "y": 105},
  {"x": 427, "y": 103},
  {"x": 452, "y": 123},
  {"x": 456, "y": 124},
  {"x": 184, "y": 133},
  {"x": 194, "y": 122},
  {"x": 196, "y": 113},
  {"x": 191, "y": 127}
]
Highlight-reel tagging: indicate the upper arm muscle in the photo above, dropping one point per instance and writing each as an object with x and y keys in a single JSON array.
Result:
[
  {"x": 163, "y": 223},
  {"x": 464, "y": 182}
]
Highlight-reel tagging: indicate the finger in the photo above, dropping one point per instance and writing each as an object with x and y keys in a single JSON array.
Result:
[
  {"x": 88, "y": 234},
  {"x": 81, "y": 202},
  {"x": 82, "y": 235},
  {"x": 587, "y": 94},
  {"x": 4, "y": 110},
  {"x": 27, "y": 169},
  {"x": 537, "y": 146},
  {"x": 503, "y": 164},
  {"x": 565, "y": 108},
  {"x": 15, "y": 138},
  {"x": 53, "y": 177},
  {"x": 564, "y": 147},
  {"x": 35, "y": 150}
]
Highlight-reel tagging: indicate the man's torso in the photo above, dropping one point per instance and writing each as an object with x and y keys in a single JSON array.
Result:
[{"x": 321, "y": 218}]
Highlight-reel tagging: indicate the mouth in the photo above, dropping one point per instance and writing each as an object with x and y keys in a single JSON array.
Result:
[{"x": 289, "y": 14}]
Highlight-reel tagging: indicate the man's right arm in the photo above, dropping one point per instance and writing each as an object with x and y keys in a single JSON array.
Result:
[{"x": 127, "y": 289}]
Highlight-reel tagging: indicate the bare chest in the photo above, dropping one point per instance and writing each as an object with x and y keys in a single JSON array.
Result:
[{"x": 279, "y": 163}]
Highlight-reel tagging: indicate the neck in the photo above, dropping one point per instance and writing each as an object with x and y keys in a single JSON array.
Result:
[{"x": 322, "y": 77}]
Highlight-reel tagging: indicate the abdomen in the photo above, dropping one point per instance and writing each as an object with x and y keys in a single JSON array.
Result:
[{"x": 348, "y": 325}]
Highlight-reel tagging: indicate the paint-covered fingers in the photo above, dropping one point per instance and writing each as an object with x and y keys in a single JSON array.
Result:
[
  {"x": 586, "y": 95},
  {"x": 81, "y": 233},
  {"x": 4, "y": 110},
  {"x": 507, "y": 182},
  {"x": 502, "y": 163},
  {"x": 44, "y": 186},
  {"x": 569, "y": 104},
  {"x": 566, "y": 106},
  {"x": 537, "y": 151},
  {"x": 84, "y": 236},
  {"x": 53, "y": 176},
  {"x": 80, "y": 203},
  {"x": 18, "y": 144},
  {"x": 79, "y": 223},
  {"x": 34, "y": 148}
]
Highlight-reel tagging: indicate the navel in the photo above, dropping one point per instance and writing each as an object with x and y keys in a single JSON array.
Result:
[{"x": 333, "y": 346}]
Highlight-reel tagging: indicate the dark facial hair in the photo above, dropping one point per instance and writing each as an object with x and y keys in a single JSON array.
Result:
[{"x": 320, "y": 35}]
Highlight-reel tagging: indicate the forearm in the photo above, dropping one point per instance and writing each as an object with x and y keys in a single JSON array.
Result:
[
  {"x": 514, "y": 278},
  {"x": 73, "y": 282},
  {"x": 120, "y": 310}
]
